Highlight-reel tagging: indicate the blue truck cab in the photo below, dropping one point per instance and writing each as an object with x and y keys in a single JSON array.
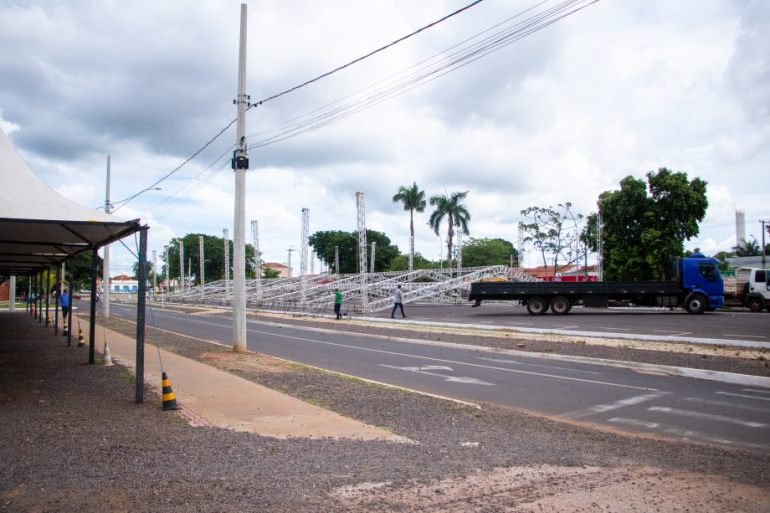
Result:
[{"x": 699, "y": 277}]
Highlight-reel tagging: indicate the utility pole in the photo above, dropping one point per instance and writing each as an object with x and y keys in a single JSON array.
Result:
[
  {"x": 374, "y": 246},
  {"x": 303, "y": 254},
  {"x": 168, "y": 273},
  {"x": 764, "y": 224},
  {"x": 106, "y": 253},
  {"x": 154, "y": 272},
  {"x": 600, "y": 245},
  {"x": 337, "y": 261},
  {"x": 240, "y": 164},
  {"x": 288, "y": 263}
]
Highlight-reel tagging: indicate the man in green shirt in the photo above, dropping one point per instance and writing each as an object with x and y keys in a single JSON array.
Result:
[{"x": 338, "y": 303}]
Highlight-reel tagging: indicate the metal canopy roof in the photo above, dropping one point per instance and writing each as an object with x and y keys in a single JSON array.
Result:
[{"x": 40, "y": 228}]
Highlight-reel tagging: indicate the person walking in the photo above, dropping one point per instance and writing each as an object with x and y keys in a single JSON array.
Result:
[
  {"x": 64, "y": 302},
  {"x": 338, "y": 303},
  {"x": 397, "y": 303}
]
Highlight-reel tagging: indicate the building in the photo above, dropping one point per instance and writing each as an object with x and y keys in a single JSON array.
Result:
[
  {"x": 123, "y": 284},
  {"x": 284, "y": 271},
  {"x": 568, "y": 272}
]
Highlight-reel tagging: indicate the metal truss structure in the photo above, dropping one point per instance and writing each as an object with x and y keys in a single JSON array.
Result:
[{"x": 373, "y": 291}]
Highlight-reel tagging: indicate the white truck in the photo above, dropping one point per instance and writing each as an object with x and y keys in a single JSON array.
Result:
[{"x": 748, "y": 288}]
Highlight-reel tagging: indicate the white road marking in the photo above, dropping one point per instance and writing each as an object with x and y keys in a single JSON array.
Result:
[
  {"x": 556, "y": 326},
  {"x": 634, "y": 422},
  {"x": 744, "y": 396},
  {"x": 453, "y": 379},
  {"x": 726, "y": 404},
  {"x": 500, "y": 360},
  {"x": 685, "y": 434},
  {"x": 742, "y": 335},
  {"x": 674, "y": 333},
  {"x": 614, "y": 329},
  {"x": 455, "y": 362},
  {"x": 622, "y": 403},
  {"x": 706, "y": 416},
  {"x": 755, "y": 390}
]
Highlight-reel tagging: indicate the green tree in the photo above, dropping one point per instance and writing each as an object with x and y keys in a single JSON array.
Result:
[
  {"x": 748, "y": 248},
  {"x": 401, "y": 263},
  {"x": 213, "y": 254},
  {"x": 554, "y": 232},
  {"x": 485, "y": 252},
  {"x": 325, "y": 242},
  {"x": 644, "y": 226},
  {"x": 413, "y": 199},
  {"x": 79, "y": 270},
  {"x": 451, "y": 208}
]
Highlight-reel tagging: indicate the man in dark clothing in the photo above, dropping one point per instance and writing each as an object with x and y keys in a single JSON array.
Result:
[{"x": 338, "y": 303}]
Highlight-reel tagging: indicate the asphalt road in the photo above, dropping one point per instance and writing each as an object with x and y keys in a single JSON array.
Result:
[
  {"x": 615, "y": 397},
  {"x": 739, "y": 325}
]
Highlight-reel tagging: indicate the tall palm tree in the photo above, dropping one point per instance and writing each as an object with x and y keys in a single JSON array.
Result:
[
  {"x": 452, "y": 208},
  {"x": 413, "y": 199}
]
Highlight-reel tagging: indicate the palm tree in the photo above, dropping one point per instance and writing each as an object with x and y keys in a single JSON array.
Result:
[
  {"x": 452, "y": 208},
  {"x": 413, "y": 199}
]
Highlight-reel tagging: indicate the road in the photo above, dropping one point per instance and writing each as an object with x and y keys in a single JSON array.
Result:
[
  {"x": 741, "y": 325},
  {"x": 620, "y": 398}
]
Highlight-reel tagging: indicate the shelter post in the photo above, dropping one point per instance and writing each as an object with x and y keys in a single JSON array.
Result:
[
  {"x": 57, "y": 293},
  {"x": 92, "y": 316},
  {"x": 140, "y": 314}
]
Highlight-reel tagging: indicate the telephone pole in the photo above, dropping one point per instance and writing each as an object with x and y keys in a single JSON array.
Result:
[
  {"x": 240, "y": 164},
  {"x": 106, "y": 252},
  {"x": 764, "y": 223}
]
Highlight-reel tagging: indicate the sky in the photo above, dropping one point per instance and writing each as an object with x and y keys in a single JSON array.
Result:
[{"x": 620, "y": 88}]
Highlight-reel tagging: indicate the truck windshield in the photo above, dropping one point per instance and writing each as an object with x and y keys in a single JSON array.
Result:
[
  {"x": 761, "y": 277},
  {"x": 708, "y": 271}
]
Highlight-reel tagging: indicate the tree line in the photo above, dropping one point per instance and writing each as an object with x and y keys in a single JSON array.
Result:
[{"x": 642, "y": 228}]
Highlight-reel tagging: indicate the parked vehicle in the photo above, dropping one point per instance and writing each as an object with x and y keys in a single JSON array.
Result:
[
  {"x": 748, "y": 288},
  {"x": 698, "y": 287}
]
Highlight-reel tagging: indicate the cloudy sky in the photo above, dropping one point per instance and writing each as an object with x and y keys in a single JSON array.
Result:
[{"x": 620, "y": 88}]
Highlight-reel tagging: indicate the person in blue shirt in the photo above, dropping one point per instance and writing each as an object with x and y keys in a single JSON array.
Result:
[{"x": 64, "y": 302}]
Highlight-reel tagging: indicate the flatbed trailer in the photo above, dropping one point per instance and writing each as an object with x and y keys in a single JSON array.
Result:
[{"x": 698, "y": 288}]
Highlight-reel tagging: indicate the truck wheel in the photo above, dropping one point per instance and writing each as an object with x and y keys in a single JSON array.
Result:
[
  {"x": 560, "y": 305},
  {"x": 696, "y": 304},
  {"x": 537, "y": 306},
  {"x": 755, "y": 305}
]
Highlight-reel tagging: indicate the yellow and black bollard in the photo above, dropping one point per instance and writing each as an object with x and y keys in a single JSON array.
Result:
[
  {"x": 64, "y": 330},
  {"x": 169, "y": 401},
  {"x": 81, "y": 340}
]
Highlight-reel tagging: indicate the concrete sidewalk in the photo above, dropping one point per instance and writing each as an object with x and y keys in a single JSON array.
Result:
[{"x": 209, "y": 396}]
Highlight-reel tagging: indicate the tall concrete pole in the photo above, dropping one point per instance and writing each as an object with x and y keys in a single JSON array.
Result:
[
  {"x": 154, "y": 272},
  {"x": 201, "y": 265},
  {"x": 240, "y": 165},
  {"x": 12, "y": 295},
  {"x": 106, "y": 259}
]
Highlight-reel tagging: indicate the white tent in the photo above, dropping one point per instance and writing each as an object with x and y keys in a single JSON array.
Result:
[{"x": 40, "y": 228}]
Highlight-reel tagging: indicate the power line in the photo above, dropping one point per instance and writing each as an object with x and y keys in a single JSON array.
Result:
[
  {"x": 378, "y": 50},
  {"x": 123, "y": 202},
  {"x": 427, "y": 71}
]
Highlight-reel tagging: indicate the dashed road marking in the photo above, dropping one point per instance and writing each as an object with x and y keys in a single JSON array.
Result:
[
  {"x": 744, "y": 396},
  {"x": 501, "y": 360},
  {"x": 602, "y": 408},
  {"x": 706, "y": 416},
  {"x": 726, "y": 404}
]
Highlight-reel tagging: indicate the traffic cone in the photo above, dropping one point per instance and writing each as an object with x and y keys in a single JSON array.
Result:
[
  {"x": 81, "y": 340},
  {"x": 169, "y": 401},
  {"x": 107, "y": 356}
]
